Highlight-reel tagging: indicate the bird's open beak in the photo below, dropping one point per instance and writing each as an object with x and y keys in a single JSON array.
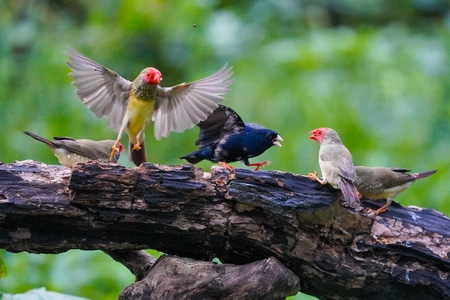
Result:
[
  {"x": 312, "y": 135},
  {"x": 276, "y": 139}
]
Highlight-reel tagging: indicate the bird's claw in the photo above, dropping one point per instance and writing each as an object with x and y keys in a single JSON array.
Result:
[
  {"x": 259, "y": 164},
  {"x": 226, "y": 166},
  {"x": 136, "y": 147},
  {"x": 314, "y": 174},
  {"x": 315, "y": 177},
  {"x": 114, "y": 148},
  {"x": 380, "y": 210}
]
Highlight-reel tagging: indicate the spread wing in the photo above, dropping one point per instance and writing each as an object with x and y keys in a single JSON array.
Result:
[
  {"x": 182, "y": 106},
  {"x": 102, "y": 90},
  {"x": 221, "y": 122}
]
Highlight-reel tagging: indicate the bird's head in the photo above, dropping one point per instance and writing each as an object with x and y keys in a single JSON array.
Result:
[
  {"x": 325, "y": 136},
  {"x": 318, "y": 134},
  {"x": 118, "y": 150},
  {"x": 151, "y": 76},
  {"x": 119, "y": 147},
  {"x": 267, "y": 138}
]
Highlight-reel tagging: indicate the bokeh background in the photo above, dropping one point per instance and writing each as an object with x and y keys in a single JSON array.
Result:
[{"x": 376, "y": 71}]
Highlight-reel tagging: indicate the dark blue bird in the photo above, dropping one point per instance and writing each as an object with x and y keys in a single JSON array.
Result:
[{"x": 225, "y": 138}]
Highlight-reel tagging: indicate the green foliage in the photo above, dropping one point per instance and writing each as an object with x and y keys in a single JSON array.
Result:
[{"x": 385, "y": 89}]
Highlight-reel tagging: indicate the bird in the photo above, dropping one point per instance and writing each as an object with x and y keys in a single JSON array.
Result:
[
  {"x": 70, "y": 151},
  {"x": 129, "y": 106},
  {"x": 379, "y": 183},
  {"x": 336, "y": 163},
  {"x": 225, "y": 138}
]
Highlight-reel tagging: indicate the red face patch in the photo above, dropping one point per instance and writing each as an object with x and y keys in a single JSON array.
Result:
[
  {"x": 318, "y": 134},
  {"x": 151, "y": 75}
]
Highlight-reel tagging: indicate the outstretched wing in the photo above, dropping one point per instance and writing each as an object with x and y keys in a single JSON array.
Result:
[
  {"x": 102, "y": 90},
  {"x": 222, "y": 121},
  {"x": 182, "y": 106}
]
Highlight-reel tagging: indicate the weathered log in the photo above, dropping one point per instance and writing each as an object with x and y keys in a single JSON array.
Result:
[
  {"x": 337, "y": 252},
  {"x": 185, "y": 278}
]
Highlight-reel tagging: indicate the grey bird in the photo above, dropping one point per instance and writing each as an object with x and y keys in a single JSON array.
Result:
[{"x": 380, "y": 183}]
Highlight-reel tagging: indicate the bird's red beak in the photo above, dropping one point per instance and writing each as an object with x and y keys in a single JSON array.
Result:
[{"x": 313, "y": 135}]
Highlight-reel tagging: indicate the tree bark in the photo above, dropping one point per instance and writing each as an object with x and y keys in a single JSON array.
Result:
[{"x": 241, "y": 217}]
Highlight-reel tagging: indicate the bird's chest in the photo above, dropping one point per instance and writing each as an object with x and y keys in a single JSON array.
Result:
[
  {"x": 67, "y": 158},
  {"x": 140, "y": 113},
  {"x": 237, "y": 147},
  {"x": 329, "y": 169}
]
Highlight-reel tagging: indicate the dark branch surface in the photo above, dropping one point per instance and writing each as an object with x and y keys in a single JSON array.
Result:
[
  {"x": 240, "y": 217},
  {"x": 183, "y": 278}
]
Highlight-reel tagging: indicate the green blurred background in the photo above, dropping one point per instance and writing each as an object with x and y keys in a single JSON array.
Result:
[{"x": 376, "y": 71}]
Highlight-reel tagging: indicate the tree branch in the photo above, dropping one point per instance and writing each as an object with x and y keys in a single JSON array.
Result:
[{"x": 241, "y": 217}]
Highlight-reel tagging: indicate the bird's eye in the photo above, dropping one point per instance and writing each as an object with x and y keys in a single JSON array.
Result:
[{"x": 268, "y": 135}]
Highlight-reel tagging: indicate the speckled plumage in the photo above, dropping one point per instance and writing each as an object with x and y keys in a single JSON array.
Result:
[{"x": 380, "y": 183}]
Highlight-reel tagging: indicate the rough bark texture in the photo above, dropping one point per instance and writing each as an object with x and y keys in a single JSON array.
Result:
[
  {"x": 240, "y": 217},
  {"x": 185, "y": 278}
]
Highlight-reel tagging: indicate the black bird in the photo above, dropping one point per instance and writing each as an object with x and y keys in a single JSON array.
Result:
[{"x": 225, "y": 138}]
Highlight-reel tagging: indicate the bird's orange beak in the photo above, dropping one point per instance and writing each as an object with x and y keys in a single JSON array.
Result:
[{"x": 313, "y": 135}]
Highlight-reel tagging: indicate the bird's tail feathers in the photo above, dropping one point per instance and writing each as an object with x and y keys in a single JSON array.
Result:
[
  {"x": 41, "y": 139},
  {"x": 137, "y": 156},
  {"x": 194, "y": 157},
  {"x": 423, "y": 174},
  {"x": 349, "y": 191}
]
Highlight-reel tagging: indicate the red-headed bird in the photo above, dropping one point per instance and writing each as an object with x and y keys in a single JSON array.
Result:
[
  {"x": 225, "y": 138},
  {"x": 130, "y": 106},
  {"x": 336, "y": 163},
  {"x": 380, "y": 183},
  {"x": 70, "y": 151}
]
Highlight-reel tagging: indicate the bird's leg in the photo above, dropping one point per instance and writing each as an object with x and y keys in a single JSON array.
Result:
[
  {"x": 384, "y": 207},
  {"x": 258, "y": 164},
  {"x": 119, "y": 136},
  {"x": 114, "y": 148},
  {"x": 316, "y": 177},
  {"x": 139, "y": 138},
  {"x": 225, "y": 165}
]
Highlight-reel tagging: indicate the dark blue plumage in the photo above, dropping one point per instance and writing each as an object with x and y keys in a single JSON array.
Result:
[{"x": 225, "y": 138}]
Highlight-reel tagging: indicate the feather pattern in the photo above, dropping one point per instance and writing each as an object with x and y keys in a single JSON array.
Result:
[
  {"x": 224, "y": 138},
  {"x": 185, "y": 105}
]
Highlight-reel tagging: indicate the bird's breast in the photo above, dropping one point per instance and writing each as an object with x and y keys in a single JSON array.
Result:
[{"x": 140, "y": 114}]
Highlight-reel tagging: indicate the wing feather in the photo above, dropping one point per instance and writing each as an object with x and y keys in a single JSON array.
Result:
[
  {"x": 102, "y": 90},
  {"x": 185, "y": 105}
]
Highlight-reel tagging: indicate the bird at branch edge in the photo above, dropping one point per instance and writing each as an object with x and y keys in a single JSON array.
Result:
[
  {"x": 130, "y": 106},
  {"x": 70, "y": 151},
  {"x": 378, "y": 183},
  {"x": 336, "y": 163},
  {"x": 225, "y": 138}
]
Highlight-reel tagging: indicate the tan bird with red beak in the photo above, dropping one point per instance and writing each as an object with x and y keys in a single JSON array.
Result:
[
  {"x": 378, "y": 183},
  {"x": 336, "y": 163},
  {"x": 70, "y": 151},
  {"x": 130, "y": 106}
]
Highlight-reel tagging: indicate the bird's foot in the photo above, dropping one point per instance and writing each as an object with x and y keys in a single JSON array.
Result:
[
  {"x": 315, "y": 177},
  {"x": 114, "y": 148},
  {"x": 259, "y": 164},
  {"x": 380, "y": 210},
  {"x": 226, "y": 166},
  {"x": 136, "y": 147}
]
